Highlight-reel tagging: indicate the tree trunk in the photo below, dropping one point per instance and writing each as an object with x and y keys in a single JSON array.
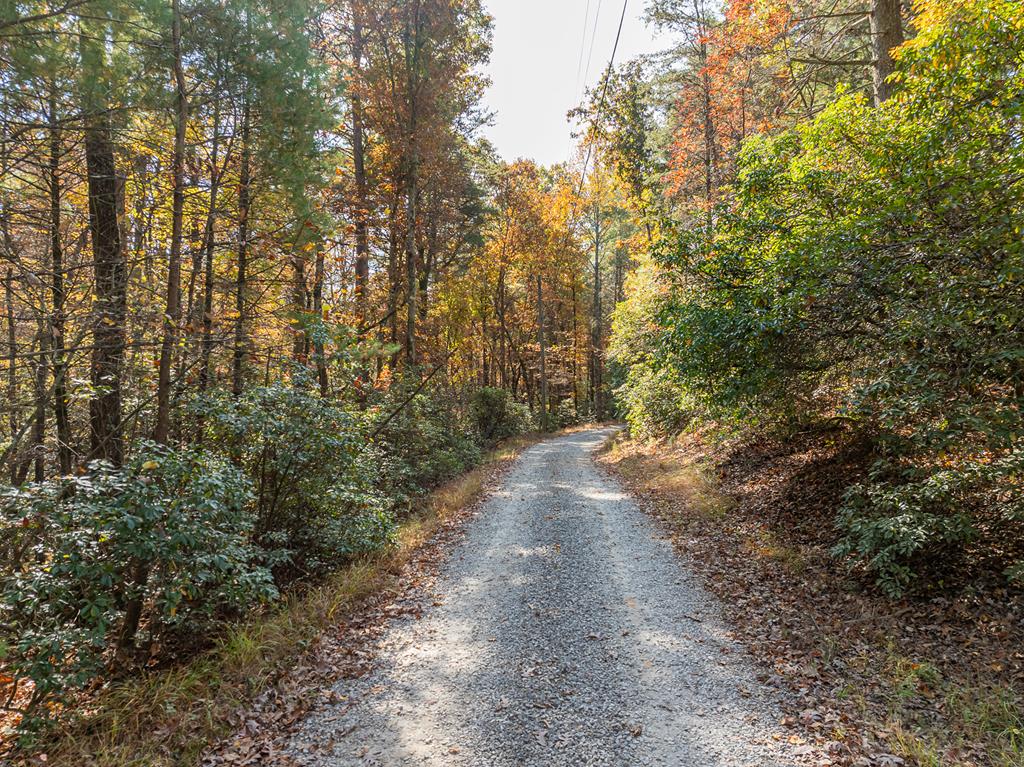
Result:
[
  {"x": 543, "y": 356},
  {"x": 411, "y": 283},
  {"x": 703, "y": 24},
  {"x": 886, "y": 34},
  {"x": 206, "y": 349},
  {"x": 394, "y": 277},
  {"x": 110, "y": 271},
  {"x": 485, "y": 363},
  {"x": 133, "y": 612},
  {"x": 412, "y": 44},
  {"x": 575, "y": 352},
  {"x": 12, "y": 371},
  {"x": 41, "y": 397},
  {"x": 172, "y": 315},
  {"x": 11, "y": 405},
  {"x": 238, "y": 358},
  {"x": 318, "y": 313},
  {"x": 300, "y": 304},
  {"x": 595, "y": 347},
  {"x": 502, "y": 328},
  {"x": 57, "y": 323},
  {"x": 359, "y": 168},
  {"x": 426, "y": 267},
  {"x": 110, "y": 305}
]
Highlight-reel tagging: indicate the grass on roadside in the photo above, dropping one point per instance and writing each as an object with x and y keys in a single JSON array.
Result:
[
  {"x": 168, "y": 717},
  {"x": 976, "y": 718},
  {"x": 682, "y": 481}
]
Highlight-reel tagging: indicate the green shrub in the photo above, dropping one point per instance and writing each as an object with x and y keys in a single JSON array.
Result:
[
  {"x": 654, "y": 402},
  {"x": 653, "y": 397},
  {"x": 431, "y": 440},
  {"x": 868, "y": 264},
  {"x": 121, "y": 559},
  {"x": 566, "y": 414},
  {"x": 496, "y": 415},
  {"x": 898, "y": 523},
  {"x": 315, "y": 499}
]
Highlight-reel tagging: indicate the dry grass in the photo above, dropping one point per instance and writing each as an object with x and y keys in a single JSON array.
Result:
[
  {"x": 986, "y": 719},
  {"x": 168, "y": 717},
  {"x": 678, "y": 478}
]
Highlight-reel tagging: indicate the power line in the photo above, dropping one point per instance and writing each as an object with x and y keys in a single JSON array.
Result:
[
  {"x": 593, "y": 39},
  {"x": 594, "y": 121},
  {"x": 583, "y": 47},
  {"x": 578, "y": 87},
  {"x": 600, "y": 107}
]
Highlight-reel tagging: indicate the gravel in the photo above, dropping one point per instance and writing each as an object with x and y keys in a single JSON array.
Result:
[{"x": 562, "y": 631}]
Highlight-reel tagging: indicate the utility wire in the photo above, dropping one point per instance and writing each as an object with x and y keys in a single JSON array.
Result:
[
  {"x": 579, "y": 87},
  {"x": 583, "y": 47},
  {"x": 595, "y": 121},
  {"x": 593, "y": 39}
]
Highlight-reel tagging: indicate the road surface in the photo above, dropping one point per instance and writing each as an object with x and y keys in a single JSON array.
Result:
[{"x": 562, "y": 631}]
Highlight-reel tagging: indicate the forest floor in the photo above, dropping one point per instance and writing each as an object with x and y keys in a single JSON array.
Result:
[
  {"x": 936, "y": 679},
  {"x": 561, "y": 629}
]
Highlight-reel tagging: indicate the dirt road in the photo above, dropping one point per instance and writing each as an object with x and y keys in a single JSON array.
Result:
[{"x": 563, "y": 631}]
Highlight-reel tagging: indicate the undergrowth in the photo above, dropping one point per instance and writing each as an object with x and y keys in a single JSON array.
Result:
[{"x": 168, "y": 717}]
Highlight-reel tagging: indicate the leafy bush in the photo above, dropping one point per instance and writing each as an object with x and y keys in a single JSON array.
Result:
[
  {"x": 315, "y": 500},
  {"x": 652, "y": 396},
  {"x": 899, "y": 522},
  {"x": 565, "y": 414},
  {"x": 98, "y": 561},
  {"x": 497, "y": 415},
  {"x": 430, "y": 441},
  {"x": 869, "y": 264},
  {"x": 654, "y": 402}
]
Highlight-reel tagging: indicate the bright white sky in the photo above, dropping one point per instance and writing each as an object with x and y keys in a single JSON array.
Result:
[{"x": 535, "y": 63}]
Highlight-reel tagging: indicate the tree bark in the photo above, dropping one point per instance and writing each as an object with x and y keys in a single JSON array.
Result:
[
  {"x": 42, "y": 393},
  {"x": 575, "y": 352},
  {"x": 412, "y": 47},
  {"x": 595, "y": 346},
  {"x": 206, "y": 348},
  {"x": 12, "y": 370},
  {"x": 395, "y": 278},
  {"x": 543, "y": 356},
  {"x": 359, "y": 168},
  {"x": 886, "y": 34},
  {"x": 110, "y": 306},
  {"x": 238, "y": 357},
  {"x": 426, "y": 267},
  {"x": 172, "y": 315},
  {"x": 110, "y": 272},
  {"x": 502, "y": 328},
  {"x": 318, "y": 313},
  {"x": 300, "y": 304},
  {"x": 57, "y": 318}
]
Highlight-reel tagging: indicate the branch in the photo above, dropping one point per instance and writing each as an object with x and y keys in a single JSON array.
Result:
[
  {"x": 833, "y": 62},
  {"x": 410, "y": 398},
  {"x": 72, "y": 4}
]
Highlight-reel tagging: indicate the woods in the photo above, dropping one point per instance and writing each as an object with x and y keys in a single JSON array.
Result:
[
  {"x": 849, "y": 261},
  {"x": 265, "y": 285}
]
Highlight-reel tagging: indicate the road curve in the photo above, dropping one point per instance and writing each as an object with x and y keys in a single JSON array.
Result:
[{"x": 563, "y": 631}]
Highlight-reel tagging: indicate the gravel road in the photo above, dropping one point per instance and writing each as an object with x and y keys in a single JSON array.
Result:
[{"x": 562, "y": 631}]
